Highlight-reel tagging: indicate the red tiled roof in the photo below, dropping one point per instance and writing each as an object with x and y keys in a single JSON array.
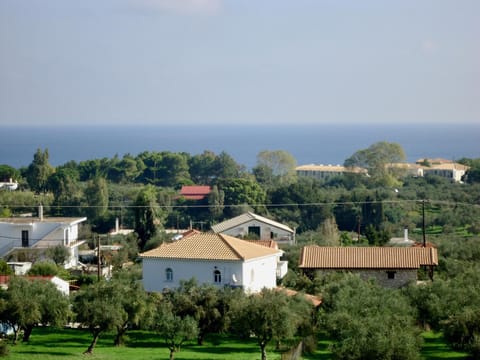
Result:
[
  {"x": 195, "y": 192},
  {"x": 267, "y": 243},
  {"x": 190, "y": 232},
  {"x": 5, "y": 279},
  {"x": 319, "y": 257}
]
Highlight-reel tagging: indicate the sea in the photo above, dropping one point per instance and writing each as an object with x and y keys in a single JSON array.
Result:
[{"x": 309, "y": 144}]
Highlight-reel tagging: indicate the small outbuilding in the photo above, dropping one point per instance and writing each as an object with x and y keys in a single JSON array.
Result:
[
  {"x": 252, "y": 224},
  {"x": 390, "y": 266}
]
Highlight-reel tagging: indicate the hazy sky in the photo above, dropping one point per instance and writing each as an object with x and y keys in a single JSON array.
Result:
[{"x": 239, "y": 61}]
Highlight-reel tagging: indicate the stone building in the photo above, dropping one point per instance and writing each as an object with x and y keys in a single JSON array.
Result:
[{"x": 392, "y": 267}]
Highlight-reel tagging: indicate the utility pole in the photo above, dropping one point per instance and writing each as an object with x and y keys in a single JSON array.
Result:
[
  {"x": 358, "y": 228},
  {"x": 423, "y": 223},
  {"x": 99, "y": 267}
]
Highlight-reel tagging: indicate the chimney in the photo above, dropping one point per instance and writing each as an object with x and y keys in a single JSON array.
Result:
[
  {"x": 40, "y": 212},
  {"x": 405, "y": 234},
  {"x": 117, "y": 225}
]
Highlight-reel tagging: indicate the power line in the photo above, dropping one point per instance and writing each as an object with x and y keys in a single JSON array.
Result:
[{"x": 334, "y": 203}]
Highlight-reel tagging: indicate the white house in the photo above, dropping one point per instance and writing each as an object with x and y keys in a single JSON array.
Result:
[
  {"x": 8, "y": 185},
  {"x": 39, "y": 233},
  {"x": 250, "y": 223},
  {"x": 216, "y": 259},
  {"x": 444, "y": 168}
]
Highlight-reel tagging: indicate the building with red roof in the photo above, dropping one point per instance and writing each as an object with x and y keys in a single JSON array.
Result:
[{"x": 195, "y": 192}]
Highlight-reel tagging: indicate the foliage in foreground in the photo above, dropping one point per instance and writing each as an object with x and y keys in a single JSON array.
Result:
[{"x": 369, "y": 322}]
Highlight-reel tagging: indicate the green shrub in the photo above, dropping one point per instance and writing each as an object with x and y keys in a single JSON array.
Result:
[{"x": 3, "y": 348}]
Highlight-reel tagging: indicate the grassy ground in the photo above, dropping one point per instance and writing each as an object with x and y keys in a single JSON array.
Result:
[
  {"x": 435, "y": 348},
  {"x": 51, "y": 344}
]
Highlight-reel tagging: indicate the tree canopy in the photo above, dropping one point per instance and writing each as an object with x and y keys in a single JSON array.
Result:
[{"x": 379, "y": 159}]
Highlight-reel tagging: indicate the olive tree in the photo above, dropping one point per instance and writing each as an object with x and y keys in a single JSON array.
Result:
[
  {"x": 269, "y": 315},
  {"x": 369, "y": 322},
  {"x": 99, "y": 308},
  {"x": 174, "y": 329},
  {"x": 29, "y": 303}
]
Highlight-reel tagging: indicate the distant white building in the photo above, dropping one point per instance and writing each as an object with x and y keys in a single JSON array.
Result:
[
  {"x": 40, "y": 233},
  {"x": 8, "y": 185},
  {"x": 444, "y": 168},
  {"x": 217, "y": 259},
  {"x": 324, "y": 172}
]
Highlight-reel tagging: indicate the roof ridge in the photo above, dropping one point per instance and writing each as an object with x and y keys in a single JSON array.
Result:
[{"x": 222, "y": 236}]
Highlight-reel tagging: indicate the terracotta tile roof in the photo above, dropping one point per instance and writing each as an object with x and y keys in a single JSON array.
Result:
[
  {"x": 209, "y": 246},
  {"x": 195, "y": 192},
  {"x": 451, "y": 166},
  {"x": 321, "y": 167},
  {"x": 442, "y": 164},
  {"x": 5, "y": 279},
  {"x": 245, "y": 218},
  {"x": 434, "y": 161},
  {"x": 190, "y": 232},
  {"x": 318, "y": 257},
  {"x": 267, "y": 243}
]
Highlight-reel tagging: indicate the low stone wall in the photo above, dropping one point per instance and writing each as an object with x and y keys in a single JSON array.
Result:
[{"x": 384, "y": 277}]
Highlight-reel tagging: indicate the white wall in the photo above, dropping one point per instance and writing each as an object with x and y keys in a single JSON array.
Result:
[
  {"x": 62, "y": 285},
  {"x": 260, "y": 273},
  {"x": 265, "y": 230},
  {"x": 49, "y": 231},
  {"x": 264, "y": 274},
  {"x": 12, "y": 233}
]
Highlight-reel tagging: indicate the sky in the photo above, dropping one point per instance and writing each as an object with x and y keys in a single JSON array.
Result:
[{"x": 239, "y": 62}]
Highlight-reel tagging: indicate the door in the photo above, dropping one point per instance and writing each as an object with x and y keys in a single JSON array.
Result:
[{"x": 25, "y": 238}]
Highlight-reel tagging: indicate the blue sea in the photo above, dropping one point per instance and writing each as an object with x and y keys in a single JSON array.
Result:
[{"x": 309, "y": 144}]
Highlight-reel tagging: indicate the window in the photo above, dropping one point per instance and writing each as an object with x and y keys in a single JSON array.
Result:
[
  {"x": 24, "y": 238},
  {"x": 254, "y": 230},
  {"x": 217, "y": 277},
  {"x": 66, "y": 239},
  {"x": 169, "y": 274},
  {"x": 391, "y": 274}
]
